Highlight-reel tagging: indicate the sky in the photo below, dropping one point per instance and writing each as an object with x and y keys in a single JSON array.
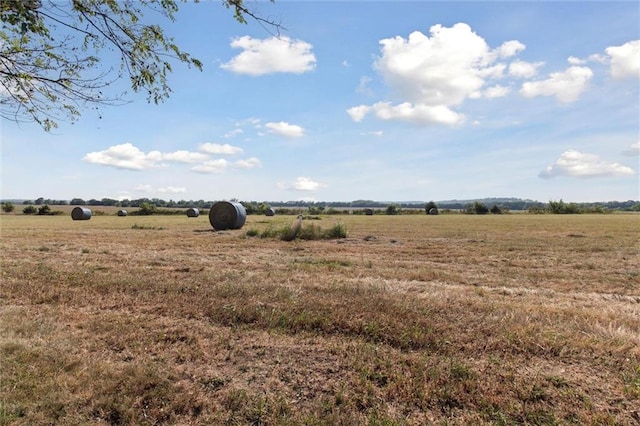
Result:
[{"x": 374, "y": 100}]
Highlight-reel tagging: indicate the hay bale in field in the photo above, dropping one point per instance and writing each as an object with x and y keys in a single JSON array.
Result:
[
  {"x": 433, "y": 211},
  {"x": 270, "y": 212},
  {"x": 193, "y": 212},
  {"x": 81, "y": 213},
  {"x": 122, "y": 212},
  {"x": 227, "y": 215},
  {"x": 368, "y": 212}
]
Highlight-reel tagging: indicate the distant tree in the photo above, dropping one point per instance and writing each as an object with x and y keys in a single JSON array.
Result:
[
  {"x": 476, "y": 208},
  {"x": 8, "y": 207},
  {"x": 496, "y": 210},
  {"x": 77, "y": 202},
  {"x": 147, "y": 209},
  {"x": 39, "y": 201},
  {"x": 108, "y": 202},
  {"x": 431, "y": 205},
  {"x": 560, "y": 207},
  {"x": 393, "y": 209},
  {"x": 30, "y": 210},
  {"x": 51, "y": 61}
]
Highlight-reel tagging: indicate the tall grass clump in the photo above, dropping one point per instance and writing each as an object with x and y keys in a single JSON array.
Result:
[{"x": 307, "y": 232}]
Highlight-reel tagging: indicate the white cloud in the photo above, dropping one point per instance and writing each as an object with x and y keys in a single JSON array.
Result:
[
  {"x": 272, "y": 55},
  {"x": 124, "y": 156},
  {"x": 496, "y": 91},
  {"x": 302, "y": 184},
  {"x": 583, "y": 165},
  {"x": 432, "y": 74},
  {"x": 285, "y": 129},
  {"x": 172, "y": 190},
  {"x": 625, "y": 60},
  {"x": 437, "y": 70},
  {"x": 218, "y": 149},
  {"x": 232, "y": 133},
  {"x": 565, "y": 86},
  {"x": 184, "y": 156},
  {"x": 524, "y": 69},
  {"x": 417, "y": 114},
  {"x": 576, "y": 61},
  {"x": 633, "y": 151},
  {"x": 510, "y": 48},
  {"x": 249, "y": 163},
  {"x": 211, "y": 166},
  {"x": 306, "y": 184},
  {"x": 357, "y": 113}
]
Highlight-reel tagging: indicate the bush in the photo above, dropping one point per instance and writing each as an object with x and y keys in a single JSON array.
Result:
[
  {"x": 476, "y": 208},
  {"x": 307, "y": 232},
  {"x": 30, "y": 210},
  {"x": 393, "y": 209},
  {"x": 560, "y": 207},
  {"x": 8, "y": 207}
]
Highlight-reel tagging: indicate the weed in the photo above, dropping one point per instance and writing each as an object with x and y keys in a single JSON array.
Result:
[{"x": 156, "y": 228}]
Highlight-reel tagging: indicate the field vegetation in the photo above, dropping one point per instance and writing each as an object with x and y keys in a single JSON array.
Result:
[{"x": 403, "y": 320}]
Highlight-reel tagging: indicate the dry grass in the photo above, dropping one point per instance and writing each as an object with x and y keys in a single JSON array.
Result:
[{"x": 511, "y": 319}]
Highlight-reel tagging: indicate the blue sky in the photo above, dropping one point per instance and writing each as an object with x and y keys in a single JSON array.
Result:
[{"x": 388, "y": 101}]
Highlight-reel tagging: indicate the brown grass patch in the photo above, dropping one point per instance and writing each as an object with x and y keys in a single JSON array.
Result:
[{"x": 510, "y": 319}]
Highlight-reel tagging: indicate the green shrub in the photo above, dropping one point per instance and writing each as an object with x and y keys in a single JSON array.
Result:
[
  {"x": 8, "y": 207},
  {"x": 30, "y": 210},
  {"x": 252, "y": 233}
]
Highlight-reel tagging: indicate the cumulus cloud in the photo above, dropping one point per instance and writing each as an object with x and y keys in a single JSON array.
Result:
[
  {"x": 357, "y": 113},
  {"x": 306, "y": 184},
  {"x": 432, "y": 74},
  {"x": 566, "y": 86},
  {"x": 172, "y": 190},
  {"x": 583, "y": 165},
  {"x": 522, "y": 69},
  {"x": 249, "y": 163},
  {"x": 417, "y": 114},
  {"x": 496, "y": 91},
  {"x": 184, "y": 156},
  {"x": 302, "y": 183},
  {"x": 625, "y": 60},
  {"x": 633, "y": 151},
  {"x": 219, "y": 149},
  {"x": 285, "y": 129},
  {"x": 124, "y": 156},
  {"x": 272, "y": 55},
  {"x": 211, "y": 166}
]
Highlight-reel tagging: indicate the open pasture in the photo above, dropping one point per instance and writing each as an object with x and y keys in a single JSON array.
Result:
[{"x": 450, "y": 319}]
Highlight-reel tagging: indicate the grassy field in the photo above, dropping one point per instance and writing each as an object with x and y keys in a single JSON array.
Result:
[{"x": 410, "y": 320}]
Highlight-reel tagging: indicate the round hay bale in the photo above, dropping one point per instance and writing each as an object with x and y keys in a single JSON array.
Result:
[
  {"x": 227, "y": 215},
  {"x": 122, "y": 212},
  {"x": 81, "y": 213},
  {"x": 193, "y": 212},
  {"x": 270, "y": 212},
  {"x": 368, "y": 212},
  {"x": 433, "y": 211}
]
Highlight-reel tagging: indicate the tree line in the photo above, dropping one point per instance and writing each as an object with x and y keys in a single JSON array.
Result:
[{"x": 485, "y": 206}]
